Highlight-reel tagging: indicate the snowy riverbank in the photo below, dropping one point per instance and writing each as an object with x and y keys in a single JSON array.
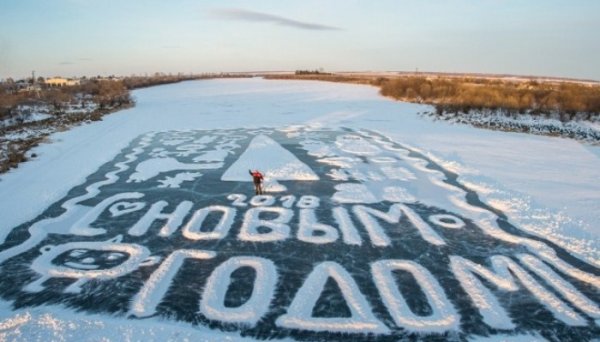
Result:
[{"x": 582, "y": 130}]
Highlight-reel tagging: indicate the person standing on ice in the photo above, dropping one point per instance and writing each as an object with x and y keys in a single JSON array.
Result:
[{"x": 257, "y": 178}]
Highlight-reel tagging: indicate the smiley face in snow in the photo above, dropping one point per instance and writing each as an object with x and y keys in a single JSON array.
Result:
[
  {"x": 85, "y": 261},
  {"x": 90, "y": 259}
]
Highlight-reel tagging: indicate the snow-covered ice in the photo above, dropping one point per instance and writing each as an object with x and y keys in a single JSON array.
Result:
[{"x": 362, "y": 181}]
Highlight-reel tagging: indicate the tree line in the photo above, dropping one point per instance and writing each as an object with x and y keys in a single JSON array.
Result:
[
  {"x": 107, "y": 93},
  {"x": 311, "y": 72},
  {"x": 90, "y": 100},
  {"x": 135, "y": 82},
  {"x": 568, "y": 99}
]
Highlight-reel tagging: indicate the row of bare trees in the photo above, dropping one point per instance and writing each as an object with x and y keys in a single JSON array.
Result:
[
  {"x": 106, "y": 94},
  {"x": 465, "y": 94},
  {"x": 568, "y": 100},
  {"x": 135, "y": 82}
]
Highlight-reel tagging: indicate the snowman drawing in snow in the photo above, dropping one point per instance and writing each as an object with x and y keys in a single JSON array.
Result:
[{"x": 275, "y": 162}]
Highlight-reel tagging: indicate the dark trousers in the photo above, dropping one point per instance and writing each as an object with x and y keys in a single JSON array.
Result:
[{"x": 258, "y": 188}]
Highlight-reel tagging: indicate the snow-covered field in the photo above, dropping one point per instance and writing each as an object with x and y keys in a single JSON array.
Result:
[{"x": 361, "y": 190}]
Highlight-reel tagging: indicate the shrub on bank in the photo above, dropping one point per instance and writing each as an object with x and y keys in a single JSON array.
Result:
[{"x": 466, "y": 94}]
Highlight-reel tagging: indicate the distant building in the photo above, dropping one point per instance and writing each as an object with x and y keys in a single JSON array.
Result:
[
  {"x": 22, "y": 84},
  {"x": 26, "y": 86},
  {"x": 59, "y": 82}
]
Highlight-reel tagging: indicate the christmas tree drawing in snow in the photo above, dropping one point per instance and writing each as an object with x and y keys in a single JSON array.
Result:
[{"x": 274, "y": 161}]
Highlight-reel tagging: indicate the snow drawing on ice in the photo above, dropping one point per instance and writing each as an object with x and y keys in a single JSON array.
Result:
[
  {"x": 156, "y": 166},
  {"x": 175, "y": 181},
  {"x": 276, "y": 164},
  {"x": 358, "y": 236},
  {"x": 86, "y": 268}
]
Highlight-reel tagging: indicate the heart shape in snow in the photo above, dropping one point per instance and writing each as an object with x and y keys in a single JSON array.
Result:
[{"x": 122, "y": 208}]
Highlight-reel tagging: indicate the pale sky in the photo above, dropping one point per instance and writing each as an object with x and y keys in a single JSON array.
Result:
[{"x": 123, "y": 37}]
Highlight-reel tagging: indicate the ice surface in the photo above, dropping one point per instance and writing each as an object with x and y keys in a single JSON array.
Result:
[{"x": 509, "y": 338}]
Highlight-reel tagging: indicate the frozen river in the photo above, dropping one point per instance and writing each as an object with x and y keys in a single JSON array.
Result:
[{"x": 377, "y": 223}]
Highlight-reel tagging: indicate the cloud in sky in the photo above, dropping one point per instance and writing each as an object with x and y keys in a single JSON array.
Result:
[
  {"x": 245, "y": 15},
  {"x": 76, "y": 61}
]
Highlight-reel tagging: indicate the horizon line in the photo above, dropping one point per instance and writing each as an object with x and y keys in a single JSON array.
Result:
[{"x": 358, "y": 72}]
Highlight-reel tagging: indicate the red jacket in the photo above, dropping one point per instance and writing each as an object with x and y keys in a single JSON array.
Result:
[{"x": 257, "y": 177}]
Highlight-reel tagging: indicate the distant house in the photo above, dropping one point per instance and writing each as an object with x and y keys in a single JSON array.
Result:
[
  {"x": 25, "y": 86},
  {"x": 32, "y": 87},
  {"x": 22, "y": 84},
  {"x": 59, "y": 82}
]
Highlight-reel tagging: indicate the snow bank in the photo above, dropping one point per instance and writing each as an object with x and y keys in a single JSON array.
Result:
[{"x": 58, "y": 324}]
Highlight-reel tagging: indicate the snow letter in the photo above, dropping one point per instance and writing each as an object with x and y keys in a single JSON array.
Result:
[
  {"x": 443, "y": 316},
  {"x": 309, "y": 225},
  {"x": 427, "y": 233},
  {"x": 279, "y": 230},
  {"x": 563, "y": 287},
  {"x": 376, "y": 233},
  {"x": 212, "y": 304},
  {"x": 145, "y": 302},
  {"x": 299, "y": 314},
  {"x": 192, "y": 229},
  {"x": 83, "y": 226},
  {"x": 349, "y": 233},
  {"x": 549, "y": 256},
  {"x": 493, "y": 314},
  {"x": 174, "y": 219}
]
